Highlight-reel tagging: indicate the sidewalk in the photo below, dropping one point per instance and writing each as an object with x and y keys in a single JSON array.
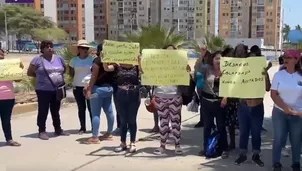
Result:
[{"x": 68, "y": 154}]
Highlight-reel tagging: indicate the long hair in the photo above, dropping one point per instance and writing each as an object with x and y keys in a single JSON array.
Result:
[
  {"x": 211, "y": 58},
  {"x": 241, "y": 51}
]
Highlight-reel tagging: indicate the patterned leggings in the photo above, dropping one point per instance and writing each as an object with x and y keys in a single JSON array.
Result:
[{"x": 169, "y": 111}]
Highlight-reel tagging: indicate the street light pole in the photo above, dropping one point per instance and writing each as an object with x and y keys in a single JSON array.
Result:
[{"x": 6, "y": 31}]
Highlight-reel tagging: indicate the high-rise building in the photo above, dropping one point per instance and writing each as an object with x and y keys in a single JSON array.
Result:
[
  {"x": 196, "y": 18},
  {"x": 81, "y": 19},
  {"x": 125, "y": 16},
  {"x": 251, "y": 19}
]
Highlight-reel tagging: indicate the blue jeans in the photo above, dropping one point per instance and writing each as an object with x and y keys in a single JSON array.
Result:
[
  {"x": 250, "y": 123},
  {"x": 284, "y": 124},
  {"x": 101, "y": 97},
  {"x": 6, "y": 108},
  {"x": 128, "y": 102}
]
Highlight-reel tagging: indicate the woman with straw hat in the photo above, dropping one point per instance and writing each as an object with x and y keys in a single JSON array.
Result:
[{"x": 79, "y": 68}]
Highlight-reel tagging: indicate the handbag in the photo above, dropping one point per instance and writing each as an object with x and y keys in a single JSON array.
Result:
[
  {"x": 150, "y": 101},
  {"x": 60, "y": 90}
]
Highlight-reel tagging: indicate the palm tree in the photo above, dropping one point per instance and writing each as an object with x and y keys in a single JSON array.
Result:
[
  {"x": 298, "y": 27},
  {"x": 211, "y": 42},
  {"x": 156, "y": 37},
  {"x": 286, "y": 29}
]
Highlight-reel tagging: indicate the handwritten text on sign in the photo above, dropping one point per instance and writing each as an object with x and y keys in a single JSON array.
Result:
[
  {"x": 164, "y": 67},
  {"x": 10, "y": 69},
  {"x": 120, "y": 52},
  {"x": 242, "y": 77}
]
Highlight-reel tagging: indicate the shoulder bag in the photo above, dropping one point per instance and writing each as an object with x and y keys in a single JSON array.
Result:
[{"x": 60, "y": 90}]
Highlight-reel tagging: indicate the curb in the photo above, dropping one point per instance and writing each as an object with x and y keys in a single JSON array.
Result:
[{"x": 20, "y": 109}]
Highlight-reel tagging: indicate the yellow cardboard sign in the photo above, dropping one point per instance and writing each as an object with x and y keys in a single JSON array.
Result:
[
  {"x": 164, "y": 67},
  {"x": 10, "y": 70},
  {"x": 120, "y": 52},
  {"x": 242, "y": 77}
]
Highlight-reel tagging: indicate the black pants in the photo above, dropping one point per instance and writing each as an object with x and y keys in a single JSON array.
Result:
[
  {"x": 118, "y": 118},
  {"x": 211, "y": 110},
  {"x": 128, "y": 102},
  {"x": 6, "y": 108},
  {"x": 199, "y": 92},
  {"x": 82, "y": 104},
  {"x": 47, "y": 100}
]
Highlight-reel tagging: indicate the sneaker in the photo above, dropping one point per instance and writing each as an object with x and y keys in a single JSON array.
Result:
[
  {"x": 242, "y": 158},
  {"x": 178, "y": 150},
  {"x": 224, "y": 155},
  {"x": 159, "y": 151},
  {"x": 199, "y": 125},
  {"x": 43, "y": 136},
  {"x": 285, "y": 153},
  {"x": 122, "y": 147},
  {"x": 81, "y": 131},
  {"x": 296, "y": 167},
  {"x": 61, "y": 133},
  {"x": 256, "y": 159},
  {"x": 277, "y": 167}
]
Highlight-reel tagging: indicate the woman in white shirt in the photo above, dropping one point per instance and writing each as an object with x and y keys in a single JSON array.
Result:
[
  {"x": 286, "y": 92},
  {"x": 79, "y": 68}
]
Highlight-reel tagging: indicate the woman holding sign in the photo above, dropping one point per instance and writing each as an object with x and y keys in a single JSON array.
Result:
[
  {"x": 286, "y": 93},
  {"x": 99, "y": 91},
  {"x": 250, "y": 116},
  {"x": 168, "y": 102},
  {"x": 7, "y": 102},
  {"x": 127, "y": 100}
]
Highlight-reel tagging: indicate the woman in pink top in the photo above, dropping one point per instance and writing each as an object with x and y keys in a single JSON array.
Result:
[{"x": 7, "y": 102}]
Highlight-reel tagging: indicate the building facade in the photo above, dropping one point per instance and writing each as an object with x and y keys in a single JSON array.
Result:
[
  {"x": 125, "y": 16},
  {"x": 251, "y": 19},
  {"x": 195, "y": 18}
]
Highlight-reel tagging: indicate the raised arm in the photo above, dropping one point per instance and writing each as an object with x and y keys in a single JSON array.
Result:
[{"x": 108, "y": 67}]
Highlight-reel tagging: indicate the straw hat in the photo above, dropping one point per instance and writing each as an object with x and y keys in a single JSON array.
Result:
[{"x": 83, "y": 43}]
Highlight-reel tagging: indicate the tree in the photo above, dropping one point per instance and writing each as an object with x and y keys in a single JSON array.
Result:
[
  {"x": 22, "y": 20},
  {"x": 286, "y": 29},
  {"x": 298, "y": 27},
  {"x": 54, "y": 34},
  {"x": 214, "y": 43},
  {"x": 156, "y": 37}
]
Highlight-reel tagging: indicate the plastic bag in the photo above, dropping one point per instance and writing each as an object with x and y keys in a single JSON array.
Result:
[{"x": 193, "y": 106}]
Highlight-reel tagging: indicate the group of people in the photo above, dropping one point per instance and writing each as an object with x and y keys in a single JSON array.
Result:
[{"x": 110, "y": 83}]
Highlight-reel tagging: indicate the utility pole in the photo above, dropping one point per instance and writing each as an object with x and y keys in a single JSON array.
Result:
[{"x": 6, "y": 29}]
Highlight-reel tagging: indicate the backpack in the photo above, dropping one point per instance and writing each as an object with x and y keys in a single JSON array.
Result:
[
  {"x": 187, "y": 92},
  {"x": 213, "y": 150}
]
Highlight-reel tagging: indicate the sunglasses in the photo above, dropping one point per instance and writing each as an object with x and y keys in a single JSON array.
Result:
[{"x": 85, "y": 48}]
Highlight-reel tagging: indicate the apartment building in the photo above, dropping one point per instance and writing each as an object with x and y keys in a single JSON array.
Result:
[
  {"x": 251, "y": 19},
  {"x": 125, "y": 16},
  {"x": 195, "y": 18}
]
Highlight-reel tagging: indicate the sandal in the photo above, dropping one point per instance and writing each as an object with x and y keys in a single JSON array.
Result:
[
  {"x": 13, "y": 143},
  {"x": 178, "y": 150},
  {"x": 122, "y": 147},
  {"x": 93, "y": 140},
  {"x": 107, "y": 136},
  {"x": 155, "y": 130},
  {"x": 132, "y": 148},
  {"x": 159, "y": 151}
]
